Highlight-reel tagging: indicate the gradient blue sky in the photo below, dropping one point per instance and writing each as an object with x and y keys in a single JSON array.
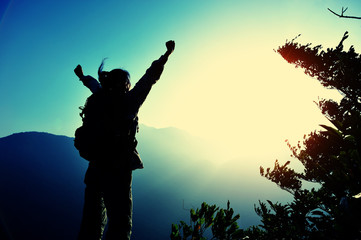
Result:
[{"x": 224, "y": 82}]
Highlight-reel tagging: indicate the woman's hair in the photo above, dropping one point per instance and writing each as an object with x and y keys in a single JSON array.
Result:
[{"x": 115, "y": 79}]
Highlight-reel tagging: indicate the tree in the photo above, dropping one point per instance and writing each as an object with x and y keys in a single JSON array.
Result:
[
  {"x": 331, "y": 157},
  {"x": 216, "y": 222},
  {"x": 343, "y": 10},
  {"x": 221, "y": 221}
]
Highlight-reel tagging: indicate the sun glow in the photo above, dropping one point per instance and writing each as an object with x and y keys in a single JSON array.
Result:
[{"x": 246, "y": 100}]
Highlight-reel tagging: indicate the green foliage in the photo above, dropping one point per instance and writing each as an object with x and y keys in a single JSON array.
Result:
[
  {"x": 331, "y": 157},
  {"x": 221, "y": 222}
]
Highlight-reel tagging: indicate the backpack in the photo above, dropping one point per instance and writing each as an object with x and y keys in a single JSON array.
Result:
[{"x": 107, "y": 128}]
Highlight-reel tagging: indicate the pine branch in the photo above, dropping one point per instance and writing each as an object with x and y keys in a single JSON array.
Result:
[{"x": 342, "y": 12}]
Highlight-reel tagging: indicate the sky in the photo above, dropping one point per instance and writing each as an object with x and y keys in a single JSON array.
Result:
[{"x": 224, "y": 82}]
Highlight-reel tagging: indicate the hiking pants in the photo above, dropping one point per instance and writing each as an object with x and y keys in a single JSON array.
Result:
[{"x": 107, "y": 205}]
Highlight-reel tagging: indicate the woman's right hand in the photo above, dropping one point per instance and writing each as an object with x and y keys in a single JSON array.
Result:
[{"x": 170, "y": 46}]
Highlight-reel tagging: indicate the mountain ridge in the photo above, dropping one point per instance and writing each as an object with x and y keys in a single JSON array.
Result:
[{"x": 41, "y": 177}]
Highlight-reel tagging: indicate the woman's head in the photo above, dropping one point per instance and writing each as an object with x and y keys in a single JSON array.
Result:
[{"x": 116, "y": 79}]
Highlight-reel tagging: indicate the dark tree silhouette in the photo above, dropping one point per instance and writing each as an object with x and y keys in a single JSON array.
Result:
[
  {"x": 220, "y": 223},
  {"x": 330, "y": 157},
  {"x": 343, "y": 10}
]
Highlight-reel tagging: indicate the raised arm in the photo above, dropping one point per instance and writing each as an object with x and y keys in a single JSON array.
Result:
[
  {"x": 142, "y": 88},
  {"x": 79, "y": 71},
  {"x": 88, "y": 81},
  {"x": 170, "y": 48}
]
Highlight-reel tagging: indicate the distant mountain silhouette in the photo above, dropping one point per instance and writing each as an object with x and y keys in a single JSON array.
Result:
[{"x": 41, "y": 184}]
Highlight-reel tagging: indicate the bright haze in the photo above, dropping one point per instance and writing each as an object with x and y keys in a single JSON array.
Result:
[{"x": 224, "y": 82}]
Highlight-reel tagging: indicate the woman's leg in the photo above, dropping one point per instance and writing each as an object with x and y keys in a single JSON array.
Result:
[{"x": 94, "y": 216}]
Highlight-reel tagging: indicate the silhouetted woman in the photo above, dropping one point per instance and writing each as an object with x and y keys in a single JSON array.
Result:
[{"x": 111, "y": 113}]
